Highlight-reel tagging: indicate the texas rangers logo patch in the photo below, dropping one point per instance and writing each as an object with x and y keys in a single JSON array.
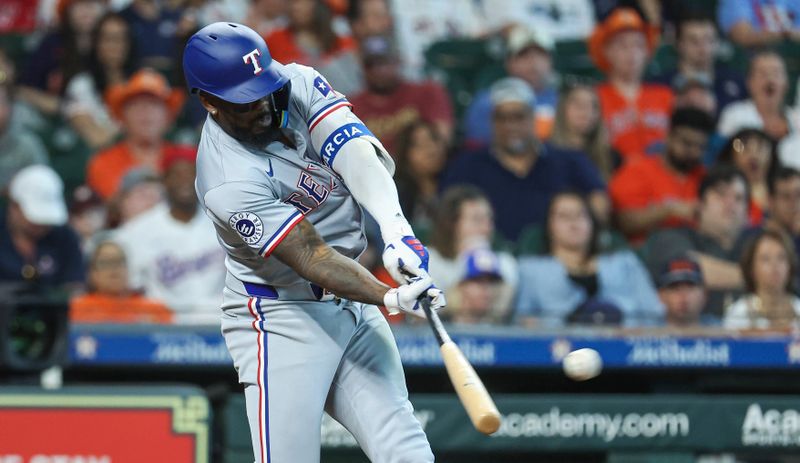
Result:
[
  {"x": 322, "y": 86},
  {"x": 248, "y": 226}
]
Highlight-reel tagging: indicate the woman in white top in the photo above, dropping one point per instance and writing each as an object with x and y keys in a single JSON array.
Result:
[
  {"x": 110, "y": 62},
  {"x": 768, "y": 266}
]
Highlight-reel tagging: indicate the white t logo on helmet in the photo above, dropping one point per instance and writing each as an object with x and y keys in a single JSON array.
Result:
[{"x": 251, "y": 58}]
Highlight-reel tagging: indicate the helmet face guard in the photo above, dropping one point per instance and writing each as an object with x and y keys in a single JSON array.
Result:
[
  {"x": 280, "y": 104},
  {"x": 231, "y": 62}
]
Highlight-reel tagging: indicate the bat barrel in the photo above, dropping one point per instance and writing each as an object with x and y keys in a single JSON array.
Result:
[{"x": 470, "y": 389}]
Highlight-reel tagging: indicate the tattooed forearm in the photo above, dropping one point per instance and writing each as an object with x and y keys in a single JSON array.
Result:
[{"x": 307, "y": 254}]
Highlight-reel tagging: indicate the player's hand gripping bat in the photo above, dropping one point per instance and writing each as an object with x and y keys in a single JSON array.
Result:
[{"x": 473, "y": 395}]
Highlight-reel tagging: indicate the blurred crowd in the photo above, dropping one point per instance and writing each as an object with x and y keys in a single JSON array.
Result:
[{"x": 596, "y": 162}]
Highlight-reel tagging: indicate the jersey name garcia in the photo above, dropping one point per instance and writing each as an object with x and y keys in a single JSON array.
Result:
[{"x": 255, "y": 197}]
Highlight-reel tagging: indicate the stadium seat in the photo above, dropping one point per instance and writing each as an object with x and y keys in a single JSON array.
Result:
[
  {"x": 531, "y": 241},
  {"x": 464, "y": 66},
  {"x": 15, "y": 46},
  {"x": 664, "y": 59},
  {"x": 572, "y": 57},
  {"x": 68, "y": 154}
]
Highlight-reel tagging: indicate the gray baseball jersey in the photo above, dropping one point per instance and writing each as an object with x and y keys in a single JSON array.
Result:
[
  {"x": 255, "y": 197},
  {"x": 296, "y": 351}
]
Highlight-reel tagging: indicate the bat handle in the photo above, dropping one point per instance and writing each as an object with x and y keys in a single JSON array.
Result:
[{"x": 436, "y": 323}]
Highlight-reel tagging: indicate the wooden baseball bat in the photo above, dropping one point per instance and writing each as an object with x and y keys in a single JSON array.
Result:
[{"x": 470, "y": 389}]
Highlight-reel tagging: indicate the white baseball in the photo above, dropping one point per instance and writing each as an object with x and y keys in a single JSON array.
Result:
[{"x": 582, "y": 364}]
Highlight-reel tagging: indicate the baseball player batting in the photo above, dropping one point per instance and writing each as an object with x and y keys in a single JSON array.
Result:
[{"x": 283, "y": 170}]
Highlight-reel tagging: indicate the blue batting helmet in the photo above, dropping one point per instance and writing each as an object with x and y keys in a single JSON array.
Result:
[{"x": 232, "y": 62}]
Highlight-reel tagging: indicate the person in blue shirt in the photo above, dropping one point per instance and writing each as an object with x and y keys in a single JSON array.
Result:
[
  {"x": 697, "y": 45},
  {"x": 755, "y": 23},
  {"x": 518, "y": 173},
  {"x": 529, "y": 57},
  {"x": 155, "y": 27},
  {"x": 574, "y": 282},
  {"x": 37, "y": 247}
]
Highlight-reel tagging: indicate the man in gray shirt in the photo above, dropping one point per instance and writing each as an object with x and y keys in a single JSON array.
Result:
[{"x": 717, "y": 241}]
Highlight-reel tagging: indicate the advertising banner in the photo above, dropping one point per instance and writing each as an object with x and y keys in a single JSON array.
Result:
[
  {"x": 702, "y": 423},
  {"x": 178, "y": 346},
  {"x": 104, "y": 425}
]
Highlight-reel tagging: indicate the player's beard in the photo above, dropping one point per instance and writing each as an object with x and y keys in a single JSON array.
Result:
[
  {"x": 259, "y": 132},
  {"x": 683, "y": 166}
]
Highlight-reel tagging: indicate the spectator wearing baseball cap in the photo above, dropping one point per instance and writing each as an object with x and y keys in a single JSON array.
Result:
[
  {"x": 36, "y": 244},
  {"x": 87, "y": 216},
  {"x": 519, "y": 173},
  {"x": 716, "y": 242},
  {"x": 682, "y": 291},
  {"x": 389, "y": 102},
  {"x": 636, "y": 113},
  {"x": 172, "y": 249},
  {"x": 146, "y": 106},
  {"x": 464, "y": 223},
  {"x": 529, "y": 58},
  {"x": 477, "y": 298}
]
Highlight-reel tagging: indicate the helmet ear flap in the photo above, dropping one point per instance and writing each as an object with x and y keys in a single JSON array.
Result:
[{"x": 280, "y": 104}]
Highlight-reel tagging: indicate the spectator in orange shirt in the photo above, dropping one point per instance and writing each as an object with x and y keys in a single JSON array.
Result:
[
  {"x": 110, "y": 298},
  {"x": 145, "y": 106},
  {"x": 636, "y": 113},
  {"x": 311, "y": 39},
  {"x": 655, "y": 191}
]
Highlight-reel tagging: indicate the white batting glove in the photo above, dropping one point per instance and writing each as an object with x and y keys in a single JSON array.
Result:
[
  {"x": 405, "y": 298},
  {"x": 405, "y": 258}
]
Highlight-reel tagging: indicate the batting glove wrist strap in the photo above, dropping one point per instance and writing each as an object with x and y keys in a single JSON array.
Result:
[{"x": 405, "y": 298}]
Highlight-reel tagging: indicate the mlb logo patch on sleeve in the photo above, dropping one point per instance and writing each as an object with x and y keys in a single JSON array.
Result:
[{"x": 322, "y": 86}]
